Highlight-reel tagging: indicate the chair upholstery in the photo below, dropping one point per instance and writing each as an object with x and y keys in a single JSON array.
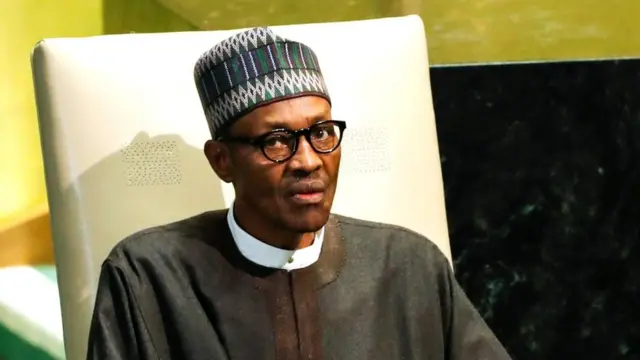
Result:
[{"x": 122, "y": 132}]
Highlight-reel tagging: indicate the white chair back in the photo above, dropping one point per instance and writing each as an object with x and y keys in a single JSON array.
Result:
[{"x": 122, "y": 133}]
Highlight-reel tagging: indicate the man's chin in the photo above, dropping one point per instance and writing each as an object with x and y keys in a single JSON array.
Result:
[{"x": 307, "y": 221}]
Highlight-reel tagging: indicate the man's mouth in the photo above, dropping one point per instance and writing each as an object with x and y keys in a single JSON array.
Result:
[
  {"x": 308, "y": 198},
  {"x": 308, "y": 192}
]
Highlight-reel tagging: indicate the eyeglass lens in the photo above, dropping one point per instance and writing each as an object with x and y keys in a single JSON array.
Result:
[{"x": 323, "y": 138}]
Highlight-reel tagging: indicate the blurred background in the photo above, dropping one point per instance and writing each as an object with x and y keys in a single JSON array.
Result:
[{"x": 538, "y": 121}]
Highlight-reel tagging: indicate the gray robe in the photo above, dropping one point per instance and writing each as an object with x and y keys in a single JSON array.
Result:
[{"x": 183, "y": 291}]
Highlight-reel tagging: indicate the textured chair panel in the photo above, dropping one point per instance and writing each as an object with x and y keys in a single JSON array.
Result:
[{"x": 122, "y": 133}]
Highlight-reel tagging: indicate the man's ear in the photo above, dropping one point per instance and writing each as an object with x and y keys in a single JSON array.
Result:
[{"x": 219, "y": 158}]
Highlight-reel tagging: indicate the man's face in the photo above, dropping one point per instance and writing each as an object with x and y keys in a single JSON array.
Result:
[{"x": 296, "y": 194}]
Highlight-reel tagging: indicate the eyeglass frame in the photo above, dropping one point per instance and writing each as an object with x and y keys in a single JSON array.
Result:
[{"x": 295, "y": 134}]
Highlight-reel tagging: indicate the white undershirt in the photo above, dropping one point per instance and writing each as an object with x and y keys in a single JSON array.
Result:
[{"x": 270, "y": 256}]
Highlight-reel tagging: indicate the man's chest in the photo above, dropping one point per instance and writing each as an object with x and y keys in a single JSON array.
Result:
[{"x": 283, "y": 319}]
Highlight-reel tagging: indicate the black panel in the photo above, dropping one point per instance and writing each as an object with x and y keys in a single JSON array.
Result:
[{"x": 542, "y": 178}]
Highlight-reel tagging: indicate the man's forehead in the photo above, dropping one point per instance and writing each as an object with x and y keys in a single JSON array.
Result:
[{"x": 293, "y": 113}]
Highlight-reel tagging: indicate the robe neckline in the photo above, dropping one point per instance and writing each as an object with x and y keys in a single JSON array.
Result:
[{"x": 321, "y": 273}]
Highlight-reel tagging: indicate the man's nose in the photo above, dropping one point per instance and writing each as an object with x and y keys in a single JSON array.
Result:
[{"x": 305, "y": 159}]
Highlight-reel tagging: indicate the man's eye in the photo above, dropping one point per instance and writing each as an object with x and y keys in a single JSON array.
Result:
[
  {"x": 276, "y": 141},
  {"x": 322, "y": 133}
]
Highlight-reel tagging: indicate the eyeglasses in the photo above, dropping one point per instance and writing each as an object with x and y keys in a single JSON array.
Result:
[{"x": 281, "y": 144}]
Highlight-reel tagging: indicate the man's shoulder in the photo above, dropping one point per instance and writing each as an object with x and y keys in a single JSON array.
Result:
[
  {"x": 392, "y": 239},
  {"x": 171, "y": 238}
]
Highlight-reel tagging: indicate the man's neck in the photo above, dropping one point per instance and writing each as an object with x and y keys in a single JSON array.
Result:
[{"x": 269, "y": 234}]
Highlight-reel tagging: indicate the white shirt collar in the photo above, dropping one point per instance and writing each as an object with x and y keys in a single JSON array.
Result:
[{"x": 270, "y": 256}]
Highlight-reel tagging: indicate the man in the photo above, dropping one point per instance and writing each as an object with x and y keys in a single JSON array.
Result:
[{"x": 277, "y": 276}]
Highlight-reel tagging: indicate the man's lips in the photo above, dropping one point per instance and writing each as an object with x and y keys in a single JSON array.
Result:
[
  {"x": 308, "y": 192},
  {"x": 308, "y": 199}
]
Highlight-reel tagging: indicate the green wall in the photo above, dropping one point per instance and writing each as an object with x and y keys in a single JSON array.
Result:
[
  {"x": 142, "y": 16},
  {"x": 461, "y": 31},
  {"x": 458, "y": 31},
  {"x": 22, "y": 24}
]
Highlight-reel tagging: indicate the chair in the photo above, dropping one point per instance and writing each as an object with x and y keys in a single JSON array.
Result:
[{"x": 122, "y": 132}]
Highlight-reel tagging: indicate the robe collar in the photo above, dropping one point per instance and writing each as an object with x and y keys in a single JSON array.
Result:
[
  {"x": 266, "y": 255},
  {"x": 321, "y": 273}
]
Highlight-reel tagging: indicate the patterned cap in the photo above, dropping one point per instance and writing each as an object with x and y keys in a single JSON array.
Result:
[{"x": 254, "y": 68}]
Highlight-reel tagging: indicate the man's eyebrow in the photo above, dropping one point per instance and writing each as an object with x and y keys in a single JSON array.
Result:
[
  {"x": 279, "y": 124},
  {"x": 276, "y": 124}
]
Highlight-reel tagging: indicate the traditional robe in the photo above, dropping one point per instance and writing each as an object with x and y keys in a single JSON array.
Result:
[{"x": 184, "y": 291}]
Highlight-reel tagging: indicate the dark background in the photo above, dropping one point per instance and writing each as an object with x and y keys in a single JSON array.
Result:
[{"x": 542, "y": 182}]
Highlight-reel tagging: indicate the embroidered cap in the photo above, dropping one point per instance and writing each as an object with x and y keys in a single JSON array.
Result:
[{"x": 251, "y": 69}]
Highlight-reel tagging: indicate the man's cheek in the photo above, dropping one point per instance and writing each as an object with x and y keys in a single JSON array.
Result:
[{"x": 264, "y": 188}]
